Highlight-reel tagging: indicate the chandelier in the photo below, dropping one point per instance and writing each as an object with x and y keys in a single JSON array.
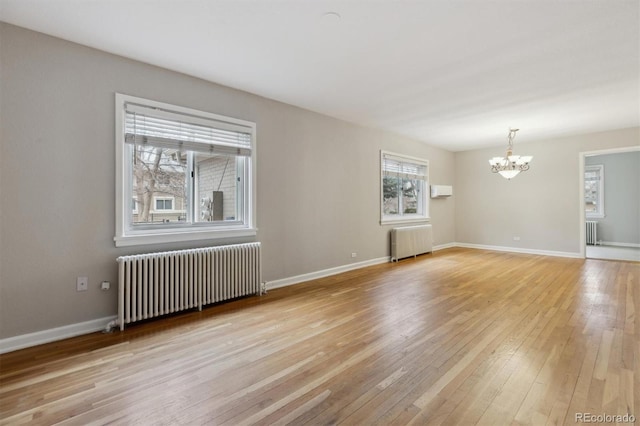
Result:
[{"x": 510, "y": 165}]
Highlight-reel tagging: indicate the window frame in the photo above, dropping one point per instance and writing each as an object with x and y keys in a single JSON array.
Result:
[
  {"x": 126, "y": 235},
  {"x": 599, "y": 213},
  {"x": 424, "y": 199}
]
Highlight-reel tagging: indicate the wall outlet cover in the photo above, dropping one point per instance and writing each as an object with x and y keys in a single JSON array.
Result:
[{"x": 82, "y": 283}]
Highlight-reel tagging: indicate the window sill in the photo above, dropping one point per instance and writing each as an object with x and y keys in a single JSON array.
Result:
[
  {"x": 141, "y": 238},
  {"x": 410, "y": 219}
]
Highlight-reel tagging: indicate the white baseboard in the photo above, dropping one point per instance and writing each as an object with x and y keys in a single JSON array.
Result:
[
  {"x": 324, "y": 273},
  {"x": 11, "y": 344},
  {"x": 522, "y": 250},
  {"x": 444, "y": 246},
  {"x": 612, "y": 243},
  {"x": 339, "y": 269}
]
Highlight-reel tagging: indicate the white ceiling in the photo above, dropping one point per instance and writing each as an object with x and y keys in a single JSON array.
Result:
[{"x": 454, "y": 74}]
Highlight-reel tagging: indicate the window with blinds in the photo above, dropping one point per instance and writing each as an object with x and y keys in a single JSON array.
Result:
[
  {"x": 404, "y": 187},
  {"x": 190, "y": 172},
  {"x": 594, "y": 191}
]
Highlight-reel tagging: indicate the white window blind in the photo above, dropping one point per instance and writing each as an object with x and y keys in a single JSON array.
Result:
[
  {"x": 401, "y": 168},
  {"x": 167, "y": 129}
]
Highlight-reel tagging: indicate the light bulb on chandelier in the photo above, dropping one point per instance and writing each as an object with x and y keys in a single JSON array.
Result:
[{"x": 510, "y": 165}]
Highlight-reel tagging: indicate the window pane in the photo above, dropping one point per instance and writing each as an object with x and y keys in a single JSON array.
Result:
[
  {"x": 164, "y": 204},
  {"x": 218, "y": 188},
  {"x": 592, "y": 188},
  {"x": 591, "y": 196},
  {"x": 158, "y": 174},
  {"x": 410, "y": 196},
  {"x": 391, "y": 195}
]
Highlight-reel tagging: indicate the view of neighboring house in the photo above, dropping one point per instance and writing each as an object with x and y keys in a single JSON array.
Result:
[{"x": 160, "y": 187}]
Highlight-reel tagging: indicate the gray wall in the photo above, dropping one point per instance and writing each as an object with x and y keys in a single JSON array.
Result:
[
  {"x": 318, "y": 178},
  {"x": 621, "y": 223},
  {"x": 540, "y": 206}
]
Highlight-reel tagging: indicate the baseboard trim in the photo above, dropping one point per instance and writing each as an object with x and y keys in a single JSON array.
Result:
[
  {"x": 11, "y": 344},
  {"x": 339, "y": 269},
  {"x": 444, "y": 246},
  {"x": 613, "y": 243},
  {"x": 324, "y": 273},
  {"x": 522, "y": 250}
]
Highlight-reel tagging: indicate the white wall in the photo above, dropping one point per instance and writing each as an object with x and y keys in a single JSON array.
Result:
[
  {"x": 541, "y": 206},
  {"x": 318, "y": 178}
]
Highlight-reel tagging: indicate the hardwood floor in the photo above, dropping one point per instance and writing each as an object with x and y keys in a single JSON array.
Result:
[
  {"x": 613, "y": 253},
  {"x": 459, "y": 337}
]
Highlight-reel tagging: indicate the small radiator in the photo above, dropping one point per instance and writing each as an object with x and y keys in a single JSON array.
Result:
[
  {"x": 155, "y": 284},
  {"x": 410, "y": 241},
  {"x": 592, "y": 232}
]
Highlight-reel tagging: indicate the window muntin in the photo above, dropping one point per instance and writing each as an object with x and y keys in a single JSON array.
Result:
[
  {"x": 404, "y": 183},
  {"x": 190, "y": 173},
  {"x": 594, "y": 191}
]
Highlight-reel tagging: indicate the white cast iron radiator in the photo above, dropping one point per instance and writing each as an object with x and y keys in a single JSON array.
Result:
[
  {"x": 156, "y": 284},
  {"x": 592, "y": 232},
  {"x": 410, "y": 241}
]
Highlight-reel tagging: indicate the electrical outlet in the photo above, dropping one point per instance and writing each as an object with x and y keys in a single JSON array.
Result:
[
  {"x": 354, "y": 254},
  {"x": 516, "y": 238},
  {"x": 105, "y": 285},
  {"x": 82, "y": 283}
]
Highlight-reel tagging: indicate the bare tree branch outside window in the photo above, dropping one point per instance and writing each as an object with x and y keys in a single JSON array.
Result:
[{"x": 158, "y": 172}]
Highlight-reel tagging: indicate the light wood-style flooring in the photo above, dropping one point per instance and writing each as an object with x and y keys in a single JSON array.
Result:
[
  {"x": 613, "y": 253},
  {"x": 459, "y": 337}
]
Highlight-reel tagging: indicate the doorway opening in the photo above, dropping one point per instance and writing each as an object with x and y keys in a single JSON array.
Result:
[{"x": 610, "y": 204}]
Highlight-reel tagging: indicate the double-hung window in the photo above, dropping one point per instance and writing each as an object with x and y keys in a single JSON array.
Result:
[
  {"x": 404, "y": 183},
  {"x": 180, "y": 165}
]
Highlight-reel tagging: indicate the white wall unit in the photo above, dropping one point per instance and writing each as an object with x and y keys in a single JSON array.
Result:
[{"x": 441, "y": 191}]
